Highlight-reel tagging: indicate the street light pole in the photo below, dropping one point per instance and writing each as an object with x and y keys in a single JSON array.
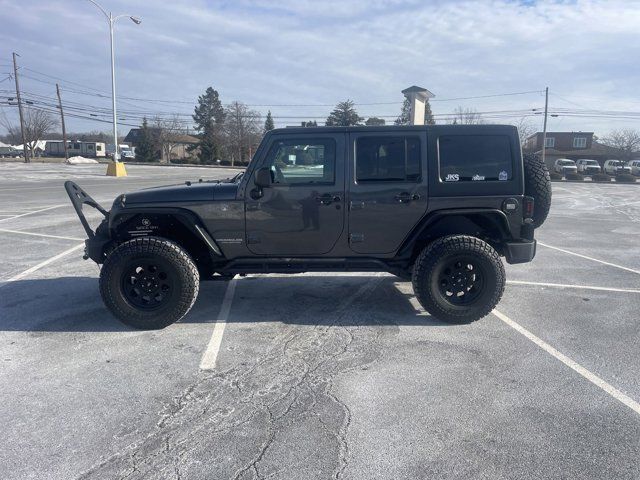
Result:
[
  {"x": 116, "y": 156},
  {"x": 112, "y": 20}
]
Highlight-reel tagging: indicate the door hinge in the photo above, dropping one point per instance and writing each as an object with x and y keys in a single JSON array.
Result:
[{"x": 356, "y": 237}]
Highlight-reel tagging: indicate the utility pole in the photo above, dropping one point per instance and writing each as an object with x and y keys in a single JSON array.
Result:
[
  {"x": 24, "y": 139},
  {"x": 115, "y": 168},
  {"x": 544, "y": 128},
  {"x": 64, "y": 130}
]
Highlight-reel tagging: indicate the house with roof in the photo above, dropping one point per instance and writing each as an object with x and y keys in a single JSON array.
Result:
[
  {"x": 37, "y": 146},
  {"x": 571, "y": 145},
  {"x": 180, "y": 143}
]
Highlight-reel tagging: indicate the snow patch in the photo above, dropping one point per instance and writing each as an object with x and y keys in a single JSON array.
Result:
[{"x": 80, "y": 161}]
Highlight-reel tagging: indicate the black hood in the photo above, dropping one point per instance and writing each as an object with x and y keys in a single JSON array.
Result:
[{"x": 188, "y": 192}]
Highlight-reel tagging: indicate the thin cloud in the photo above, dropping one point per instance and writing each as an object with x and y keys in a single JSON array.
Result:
[{"x": 308, "y": 52}]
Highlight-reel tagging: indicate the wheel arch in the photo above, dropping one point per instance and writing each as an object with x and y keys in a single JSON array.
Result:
[
  {"x": 490, "y": 225},
  {"x": 179, "y": 225}
]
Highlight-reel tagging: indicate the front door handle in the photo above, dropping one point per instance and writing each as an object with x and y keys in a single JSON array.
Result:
[{"x": 406, "y": 197}]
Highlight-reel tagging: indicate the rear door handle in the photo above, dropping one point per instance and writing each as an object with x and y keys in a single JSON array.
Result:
[
  {"x": 406, "y": 197},
  {"x": 327, "y": 199}
]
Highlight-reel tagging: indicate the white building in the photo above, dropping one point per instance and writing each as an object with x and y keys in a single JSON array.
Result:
[{"x": 55, "y": 148}]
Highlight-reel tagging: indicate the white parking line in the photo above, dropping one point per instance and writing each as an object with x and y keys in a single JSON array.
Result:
[
  {"x": 592, "y": 377},
  {"x": 210, "y": 355},
  {"x": 562, "y": 285},
  {"x": 29, "y": 271},
  {"x": 589, "y": 258},
  {"x": 33, "y": 212},
  {"x": 33, "y": 234}
]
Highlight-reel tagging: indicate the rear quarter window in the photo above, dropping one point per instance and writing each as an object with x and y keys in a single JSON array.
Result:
[{"x": 475, "y": 158}]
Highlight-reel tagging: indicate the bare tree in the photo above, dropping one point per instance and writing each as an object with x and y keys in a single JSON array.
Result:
[
  {"x": 526, "y": 128},
  {"x": 13, "y": 130},
  {"x": 167, "y": 135},
  {"x": 37, "y": 124},
  {"x": 626, "y": 141},
  {"x": 243, "y": 130},
  {"x": 467, "y": 116}
]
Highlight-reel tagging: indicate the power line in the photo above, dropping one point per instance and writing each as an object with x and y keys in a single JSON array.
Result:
[{"x": 102, "y": 94}]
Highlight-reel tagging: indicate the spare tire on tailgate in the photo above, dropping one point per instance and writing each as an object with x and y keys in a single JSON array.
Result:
[{"x": 537, "y": 184}]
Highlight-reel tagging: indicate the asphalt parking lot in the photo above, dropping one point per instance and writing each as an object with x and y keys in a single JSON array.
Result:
[{"x": 318, "y": 376}]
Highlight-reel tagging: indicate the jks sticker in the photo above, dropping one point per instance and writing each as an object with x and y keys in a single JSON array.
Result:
[{"x": 452, "y": 177}]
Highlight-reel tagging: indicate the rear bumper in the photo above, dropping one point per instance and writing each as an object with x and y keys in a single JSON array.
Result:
[{"x": 520, "y": 252}]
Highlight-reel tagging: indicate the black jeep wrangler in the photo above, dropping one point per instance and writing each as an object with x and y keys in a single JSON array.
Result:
[{"x": 438, "y": 205}]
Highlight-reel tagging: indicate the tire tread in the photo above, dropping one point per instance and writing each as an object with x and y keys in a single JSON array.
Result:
[
  {"x": 189, "y": 276},
  {"x": 427, "y": 262}
]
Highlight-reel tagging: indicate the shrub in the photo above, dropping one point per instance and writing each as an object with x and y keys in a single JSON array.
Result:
[
  {"x": 601, "y": 177},
  {"x": 625, "y": 178},
  {"x": 555, "y": 176},
  {"x": 574, "y": 177}
]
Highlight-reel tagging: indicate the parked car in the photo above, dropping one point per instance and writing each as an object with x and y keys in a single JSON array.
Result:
[
  {"x": 564, "y": 165},
  {"x": 635, "y": 166},
  {"x": 332, "y": 199},
  {"x": 588, "y": 166},
  {"x": 127, "y": 155},
  {"x": 616, "y": 167}
]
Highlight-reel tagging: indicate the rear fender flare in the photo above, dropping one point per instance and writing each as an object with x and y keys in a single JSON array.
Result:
[{"x": 447, "y": 220}]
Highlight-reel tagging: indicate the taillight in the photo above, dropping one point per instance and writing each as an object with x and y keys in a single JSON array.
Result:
[{"x": 528, "y": 204}]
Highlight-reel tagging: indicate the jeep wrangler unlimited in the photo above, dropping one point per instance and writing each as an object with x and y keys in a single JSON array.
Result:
[{"x": 438, "y": 205}]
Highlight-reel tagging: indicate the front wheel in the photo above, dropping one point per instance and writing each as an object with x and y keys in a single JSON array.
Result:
[
  {"x": 149, "y": 283},
  {"x": 458, "y": 279}
]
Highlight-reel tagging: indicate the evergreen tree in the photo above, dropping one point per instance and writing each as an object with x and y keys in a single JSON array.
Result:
[
  {"x": 145, "y": 151},
  {"x": 344, "y": 115},
  {"x": 209, "y": 118},
  {"x": 268, "y": 123},
  {"x": 375, "y": 121},
  {"x": 428, "y": 115},
  {"x": 405, "y": 114}
]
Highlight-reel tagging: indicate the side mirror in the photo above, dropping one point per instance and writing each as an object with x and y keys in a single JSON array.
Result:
[{"x": 263, "y": 177}]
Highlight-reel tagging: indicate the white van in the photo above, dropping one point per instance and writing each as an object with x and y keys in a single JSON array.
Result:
[{"x": 616, "y": 167}]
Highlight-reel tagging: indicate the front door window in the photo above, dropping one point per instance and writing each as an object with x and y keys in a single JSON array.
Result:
[{"x": 303, "y": 162}]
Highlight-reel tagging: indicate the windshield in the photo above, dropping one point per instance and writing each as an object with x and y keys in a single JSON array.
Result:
[{"x": 566, "y": 162}]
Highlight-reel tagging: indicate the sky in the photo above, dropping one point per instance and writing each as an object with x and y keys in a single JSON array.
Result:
[{"x": 298, "y": 58}]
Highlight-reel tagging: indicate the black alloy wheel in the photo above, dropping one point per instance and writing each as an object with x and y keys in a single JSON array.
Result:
[
  {"x": 147, "y": 283},
  {"x": 460, "y": 280}
]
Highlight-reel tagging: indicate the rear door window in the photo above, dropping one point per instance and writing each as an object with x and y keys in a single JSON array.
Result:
[
  {"x": 388, "y": 159},
  {"x": 475, "y": 158}
]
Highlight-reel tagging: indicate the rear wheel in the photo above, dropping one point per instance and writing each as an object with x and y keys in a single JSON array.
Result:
[
  {"x": 458, "y": 279},
  {"x": 149, "y": 283}
]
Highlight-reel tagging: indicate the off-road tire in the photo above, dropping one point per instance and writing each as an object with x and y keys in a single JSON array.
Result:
[
  {"x": 436, "y": 256},
  {"x": 537, "y": 184},
  {"x": 180, "y": 267}
]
